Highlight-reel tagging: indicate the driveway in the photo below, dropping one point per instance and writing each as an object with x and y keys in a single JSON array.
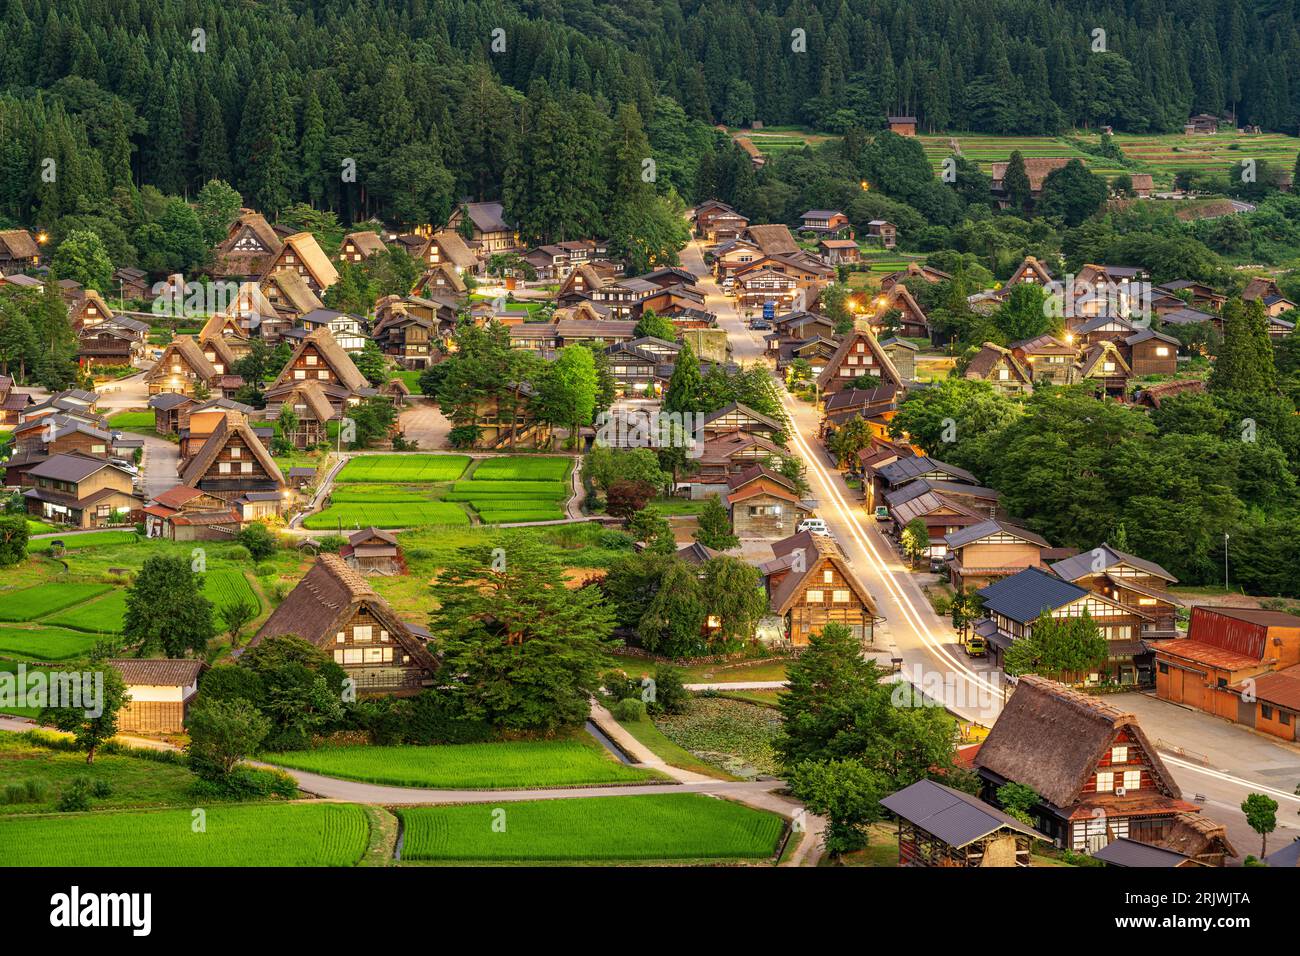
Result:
[
  {"x": 422, "y": 422},
  {"x": 159, "y": 465}
]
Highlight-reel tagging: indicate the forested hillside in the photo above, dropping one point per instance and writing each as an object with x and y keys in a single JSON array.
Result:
[{"x": 276, "y": 96}]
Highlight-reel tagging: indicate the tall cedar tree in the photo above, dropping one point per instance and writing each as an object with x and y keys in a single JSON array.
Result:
[{"x": 714, "y": 526}]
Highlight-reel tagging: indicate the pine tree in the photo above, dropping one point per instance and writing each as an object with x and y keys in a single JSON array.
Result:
[
  {"x": 714, "y": 527},
  {"x": 1016, "y": 182},
  {"x": 683, "y": 392}
]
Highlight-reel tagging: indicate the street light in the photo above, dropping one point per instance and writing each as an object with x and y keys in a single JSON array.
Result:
[{"x": 1225, "y": 560}]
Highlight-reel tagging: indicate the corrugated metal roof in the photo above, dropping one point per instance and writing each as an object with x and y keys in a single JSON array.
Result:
[
  {"x": 954, "y": 817},
  {"x": 1126, "y": 852},
  {"x": 1024, "y": 596}
]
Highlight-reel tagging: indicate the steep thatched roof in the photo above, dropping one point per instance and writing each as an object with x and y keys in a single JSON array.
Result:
[
  {"x": 20, "y": 243},
  {"x": 233, "y": 424},
  {"x": 1050, "y": 738},
  {"x": 314, "y": 258},
  {"x": 339, "y": 362}
]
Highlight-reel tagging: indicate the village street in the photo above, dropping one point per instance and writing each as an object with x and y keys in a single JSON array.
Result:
[{"x": 934, "y": 662}]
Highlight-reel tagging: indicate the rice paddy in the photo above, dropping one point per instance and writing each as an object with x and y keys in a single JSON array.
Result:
[
  {"x": 387, "y": 468},
  {"x": 44, "y": 643},
  {"x": 35, "y": 602}
]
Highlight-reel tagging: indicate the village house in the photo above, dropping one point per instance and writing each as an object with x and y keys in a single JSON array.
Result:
[
  {"x": 233, "y": 463},
  {"x": 357, "y": 247},
  {"x": 837, "y": 251},
  {"x": 945, "y": 508},
  {"x": 896, "y": 473},
  {"x": 980, "y": 554},
  {"x": 19, "y": 251},
  {"x": 1199, "y": 294},
  {"x": 1101, "y": 290},
  {"x": 132, "y": 283},
  {"x": 764, "y": 504},
  {"x": 12, "y": 403},
  {"x": 896, "y": 312},
  {"x": 940, "y": 826},
  {"x": 312, "y": 413},
  {"x": 755, "y": 154},
  {"x": 250, "y": 246},
  {"x": 489, "y": 232},
  {"x": 372, "y": 551},
  {"x": 161, "y": 693},
  {"x": 1047, "y": 359},
  {"x": 302, "y": 255},
  {"x": 1265, "y": 290},
  {"x": 82, "y": 491},
  {"x": 349, "y": 330},
  {"x": 182, "y": 513},
  {"x": 1219, "y": 666},
  {"x": 816, "y": 351},
  {"x": 717, "y": 222},
  {"x": 997, "y": 365},
  {"x": 882, "y": 233},
  {"x": 112, "y": 343},
  {"x": 876, "y": 406},
  {"x": 859, "y": 353},
  {"x": 1105, "y": 365},
  {"x": 795, "y": 327},
  {"x": 1143, "y": 185},
  {"x": 902, "y": 352},
  {"x": 289, "y": 297},
  {"x": 1201, "y": 124},
  {"x": 1014, "y": 603},
  {"x": 1097, "y": 774},
  {"x": 19, "y": 281},
  {"x": 197, "y": 421},
  {"x": 724, "y": 456},
  {"x": 42, "y": 438},
  {"x": 731, "y": 256},
  {"x": 441, "y": 280},
  {"x": 318, "y": 358},
  {"x": 639, "y": 366},
  {"x": 902, "y": 125},
  {"x": 336, "y": 609},
  {"x": 89, "y": 309},
  {"x": 183, "y": 368},
  {"x": 810, "y": 584},
  {"x": 406, "y": 337},
  {"x": 826, "y": 222},
  {"x": 1130, "y": 580},
  {"x": 1038, "y": 168},
  {"x": 913, "y": 272},
  {"x": 772, "y": 239},
  {"x": 584, "y": 281},
  {"x": 1149, "y": 352},
  {"x": 740, "y": 417}
]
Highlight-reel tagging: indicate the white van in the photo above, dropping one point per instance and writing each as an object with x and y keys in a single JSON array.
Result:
[{"x": 815, "y": 525}]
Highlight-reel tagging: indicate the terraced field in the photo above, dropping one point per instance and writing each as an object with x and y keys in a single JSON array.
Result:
[
  {"x": 388, "y": 468},
  {"x": 522, "y": 468},
  {"x": 80, "y": 542},
  {"x": 36, "y": 602},
  {"x": 44, "y": 643},
  {"x": 318, "y": 834},
  {"x": 387, "y": 514},
  {"x": 674, "y": 826}
]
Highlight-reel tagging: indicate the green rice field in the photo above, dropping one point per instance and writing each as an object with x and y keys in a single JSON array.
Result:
[
  {"x": 44, "y": 643},
  {"x": 404, "y": 468},
  {"x": 34, "y": 602},
  {"x": 315, "y": 834},
  {"x": 674, "y": 826},
  {"x": 227, "y": 586},
  {"x": 100, "y": 616},
  {"x": 522, "y": 467},
  {"x": 496, "y": 766},
  {"x": 80, "y": 542},
  {"x": 471, "y": 490},
  {"x": 383, "y": 514},
  {"x": 132, "y": 420},
  {"x": 489, "y": 516}
]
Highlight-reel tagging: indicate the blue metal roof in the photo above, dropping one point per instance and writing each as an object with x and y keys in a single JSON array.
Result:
[{"x": 1028, "y": 593}]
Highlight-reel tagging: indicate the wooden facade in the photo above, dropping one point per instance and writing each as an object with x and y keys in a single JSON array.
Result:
[{"x": 810, "y": 584}]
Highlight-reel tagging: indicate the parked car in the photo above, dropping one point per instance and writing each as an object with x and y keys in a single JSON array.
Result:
[
  {"x": 882, "y": 513},
  {"x": 815, "y": 525},
  {"x": 761, "y": 325}
]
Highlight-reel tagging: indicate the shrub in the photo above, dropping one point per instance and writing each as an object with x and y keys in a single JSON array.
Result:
[
  {"x": 246, "y": 783},
  {"x": 331, "y": 542},
  {"x": 264, "y": 569},
  {"x": 238, "y": 553},
  {"x": 619, "y": 686},
  {"x": 101, "y": 789},
  {"x": 258, "y": 539},
  {"x": 76, "y": 798},
  {"x": 438, "y": 717},
  {"x": 630, "y": 709},
  {"x": 671, "y": 695},
  {"x": 26, "y": 791}
]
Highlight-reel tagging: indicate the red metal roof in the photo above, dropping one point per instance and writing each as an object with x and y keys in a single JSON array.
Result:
[{"x": 1203, "y": 653}]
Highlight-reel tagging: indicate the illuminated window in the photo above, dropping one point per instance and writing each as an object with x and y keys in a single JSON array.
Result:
[
  {"x": 828, "y": 577},
  {"x": 1105, "y": 782},
  {"x": 1132, "y": 779},
  {"x": 362, "y": 632},
  {"x": 1162, "y": 351},
  {"x": 1119, "y": 755},
  {"x": 814, "y": 597},
  {"x": 840, "y": 596}
]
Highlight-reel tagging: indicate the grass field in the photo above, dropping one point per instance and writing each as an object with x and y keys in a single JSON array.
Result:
[
  {"x": 100, "y": 616},
  {"x": 135, "y": 782},
  {"x": 44, "y": 643},
  {"x": 80, "y": 542},
  {"x": 317, "y": 834},
  {"x": 383, "y": 514},
  {"x": 132, "y": 420},
  {"x": 31, "y": 603},
  {"x": 404, "y": 468},
  {"x": 499, "y": 766},
  {"x": 521, "y": 467},
  {"x": 675, "y": 826}
]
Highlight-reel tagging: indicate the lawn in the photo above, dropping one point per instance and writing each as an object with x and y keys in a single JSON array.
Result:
[
  {"x": 498, "y": 766},
  {"x": 382, "y": 514},
  {"x": 772, "y": 668},
  {"x": 404, "y": 468},
  {"x": 675, "y": 826},
  {"x": 135, "y": 782},
  {"x": 44, "y": 643},
  {"x": 521, "y": 467},
  {"x": 132, "y": 420},
  {"x": 31, "y": 603},
  {"x": 313, "y": 834},
  {"x": 79, "y": 542}
]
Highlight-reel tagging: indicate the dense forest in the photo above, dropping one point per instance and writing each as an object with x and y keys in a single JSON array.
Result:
[{"x": 436, "y": 101}]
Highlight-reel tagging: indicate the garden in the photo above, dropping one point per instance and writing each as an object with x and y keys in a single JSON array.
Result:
[
  {"x": 733, "y": 735},
  {"x": 606, "y": 829}
]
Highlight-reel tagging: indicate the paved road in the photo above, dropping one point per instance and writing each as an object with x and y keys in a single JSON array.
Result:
[
  {"x": 159, "y": 465},
  {"x": 931, "y": 657}
]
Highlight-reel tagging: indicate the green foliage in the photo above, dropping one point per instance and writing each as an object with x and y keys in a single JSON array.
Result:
[
  {"x": 258, "y": 539},
  {"x": 1018, "y": 800},
  {"x": 658, "y": 326},
  {"x": 166, "y": 610},
  {"x": 1058, "y": 647},
  {"x": 13, "y": 539},
  {"x": 1261, "y": 813},
  {"x": 846, "y": 793},
  {"x": 222, "y": 734},
  {"x": 714, "y": 526},
  {"x": 92, "y": 726},
  {"x": 630, "y": 709}
]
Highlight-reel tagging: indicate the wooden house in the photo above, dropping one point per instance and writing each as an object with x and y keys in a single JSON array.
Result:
[
  {"x": 902, "y": 125},
  {"x": 1013, "y": 605},
  {"x": 19, "y": 251},
  {"x": 1199, "y": 294},
  {"x": 980, "y": 554},
  {"x": 764, "y": 504},
  {"x": 837, "y": 251},
  {"x": 859, "y": 353},
  {"x": 289, "y": 297},
  {"x": 997, "y": 365},
  {"x": 915, "y": 272},
  {"x": 406, "y": 337},
  {"x": 1030, "y": 270},
  {"x": 88, "y": 310},
  {"x": 337, "y": 610},
  {"x": 724, "y": 456},
  {"x": 233, "y": 462},
  {"x": 1105, "y": 365},
  {"x": 1130, "y": 580},
  {"x": 740, "y": 417},
  {"x": 107, "y": 344},
  {"x": 197, "y": 421},
  {"x": 167, "y": 408},
  {"x": 1038, "y": 168},
  {"x": 1097, "y": 774},
  {"x": 1201, "y": 124},
  {"x": 882, "y": 233},
  {"x": 810, "y": 584},
  {"x": 442, "y": 279},
  {"x": 639, "y": 366},
  {"x": 942, "y": 513},
  {"x": 183, "y": 368},
  {"x": 897, "y": 472},
  {"x": 250, "y": 247},
  {"x": 825, "y": 222},
  {"x": 732, "y": 256},
  {"x": 1226, "y": 653},
  {"x": 312, "y": 413},
  {"x": 1270, "y": 703},
  {"x": 372, "y": 551},
  {"x": 302, "y": 255},
  {"x": 319, "y": 358},
  {"x": 1126, "y": 853},
  {"x": 1149, "y": 352},
  {"x": 446, "y": 247},
  {"x": 940, "y": 826},
  {"x": 876, "y": 406},
  {"x": 132, "y": 283},
  {"x": 717, "y": 222},
  {"x": 1099, "y": 290},
  {"x": 902, "y": 352},
  {"x": 183, "y": 513},
  {"x": 910, "y": 320},
  {"x": 42, "y": 438},
  {"x": 1265, "y": 290},
  {"x": 161, "y": 693},
  {"x": 83, "y": 491},
  {"x": 772, "y": 239},
  {"x": 489, "y": 232},
  {"x": 1047, "y": 359},
  {"x": 357, "y": 247},
  {"x": 12, "y": 403}
]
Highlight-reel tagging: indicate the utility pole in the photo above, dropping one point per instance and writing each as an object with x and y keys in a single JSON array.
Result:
[{"x": 1225, "y": 560}]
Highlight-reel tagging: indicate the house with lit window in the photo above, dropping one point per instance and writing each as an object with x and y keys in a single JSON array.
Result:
[
  {"x": 233, "y": 463},
  {"x": 302, "y": 255},
  {"x": 999, "y": 366},
  {"x": 764, "y": 504},
  {"x": 859, "y": 354},
  {"x": 336, "y": 609},
  {"x": 810, "y": 584},
  {"x": 1097, "y": 775},
  {"x": 183, "y": 368},
  {"x": 81, "y": 491},
  {"x": 1130, "y": 580},
  {"x": 319, "y": 358}
]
